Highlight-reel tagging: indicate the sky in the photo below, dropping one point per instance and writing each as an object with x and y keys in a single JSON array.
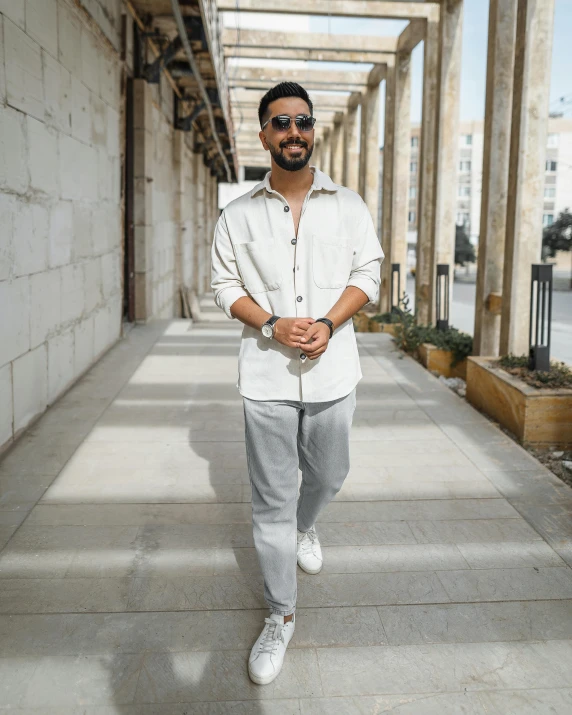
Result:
[{"x": 474, "y": 60}]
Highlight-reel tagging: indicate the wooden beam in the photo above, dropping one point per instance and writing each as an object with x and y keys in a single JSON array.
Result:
[
  {"x": 386, "y": 9},
  {"x": 308, "y": 40}
]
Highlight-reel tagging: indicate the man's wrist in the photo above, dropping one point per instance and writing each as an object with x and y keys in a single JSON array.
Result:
[{"x": 328, "y": 323}]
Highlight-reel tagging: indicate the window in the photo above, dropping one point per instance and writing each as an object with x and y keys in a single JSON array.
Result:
[
  {"x": 551, "y": 165},
  {"x": 468, "y": 139},
  {"x": 413, "y": 167},
  {"x": 547, "y": 219},
  {"x": 464, "y": 166},
  {"x": 552, "y": 140},
  {"x": 549, "y": 192},
  {"x": 462, "y": 218},
  {"x": 411, "y": 216},
  {"x": 464, "y": 190},
  {"x": 412, "y": 192},
  {"x": 414, "y": 141}
]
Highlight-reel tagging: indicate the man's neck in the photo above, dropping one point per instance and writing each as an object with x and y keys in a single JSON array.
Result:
[{"x": 291, "y": 183}]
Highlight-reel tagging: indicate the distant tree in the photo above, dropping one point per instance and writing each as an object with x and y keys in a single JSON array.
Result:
[
  {"x": 557, "y": 236},
  {"x": 464, "y": 249}
]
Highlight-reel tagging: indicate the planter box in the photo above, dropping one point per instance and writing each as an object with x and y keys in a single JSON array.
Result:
[
  {"x": 361, "y": 323},
  {"x": 440, "y": 360},
  {"x": 539, "y": 417}
]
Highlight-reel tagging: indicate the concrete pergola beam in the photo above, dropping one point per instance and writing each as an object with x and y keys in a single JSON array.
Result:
[
  {"x": 308, "y": 40},
  {"x": 267, "y": 77},
  {"x": 251, "y": 98},
  {"x": 386, "y": 9},
  {"x": 413, "y": 34},
  {"x": 308, "y": 55}
]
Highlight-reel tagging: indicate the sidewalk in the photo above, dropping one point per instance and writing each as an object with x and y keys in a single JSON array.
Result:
[{"x": 129, "y": 583}]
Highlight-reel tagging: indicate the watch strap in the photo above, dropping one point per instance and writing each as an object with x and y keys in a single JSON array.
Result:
[{"x": 327, "y": 322}]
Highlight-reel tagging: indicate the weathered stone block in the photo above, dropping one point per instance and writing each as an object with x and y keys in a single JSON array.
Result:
[
  {"x": 15, "y": 10},
  {"x": 43, "y": 157},
  {"x": 142, "y": 105},
  {"x": 107, "y": 328},
  {"x": 57, "y": 94},
  {"x": 83, "y": 227},
  {"x": 60, "y": 364},
  {"x": 440, "y": 361},
  {"x": 24, "y": 87},
  {"x": 72, "y": 292},
  {"x": 92, "y": 283},
  {"x": 98, "y": 119},
  {"x": 81, "y": 111},
  {"x": 537, "y": 417},
  {"x": 30, "y": 374},
  {"x": 109, "y": 73},
  {"x": 7, "y": 411},
  {"x": 42, "y": 24},
  {"x": 113, "y": 127},
  {"x": 45, "y": 305},
  {"x": 2, "y": 68},
  {"x": 31, "y": 223},
  {"x": 69, "y": 38},
  {"x": 61, "y": 237},
  {"x": 15, "y": 322},
  {"x": 111, "y": 274},
  {"x": 13, "y": 151},
  {"x": 83, "y": 342},
  {"x": 70, "y": 167},
  {"x": 90, "y": 51},
  {"x": 88, "y": 172},
  {"x": 6, "y": 235}
]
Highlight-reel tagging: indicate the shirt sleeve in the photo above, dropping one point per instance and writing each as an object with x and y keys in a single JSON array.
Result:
[
  {"x": 367, "y": 258},
  {"x": 226, "y": 283}
]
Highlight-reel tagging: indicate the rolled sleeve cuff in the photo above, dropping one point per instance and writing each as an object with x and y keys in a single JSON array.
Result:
[
  {"x": 228, "y": 296},
  {"x": 369, "y": 286}
]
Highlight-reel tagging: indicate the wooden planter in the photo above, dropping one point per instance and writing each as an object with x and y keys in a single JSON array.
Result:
[
  {"x": 361, "y": 323},
  {"x": 539, "y": 417},
  {"x": 440, "y": 361}
]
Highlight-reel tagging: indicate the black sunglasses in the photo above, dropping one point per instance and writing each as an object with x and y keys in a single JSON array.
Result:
[{"x": 282, "y": 122}]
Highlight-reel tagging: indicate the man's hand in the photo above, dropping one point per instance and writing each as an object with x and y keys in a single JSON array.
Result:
[
  {"x": 289, "y": 331},
  {"x": 315, "y": 340}
]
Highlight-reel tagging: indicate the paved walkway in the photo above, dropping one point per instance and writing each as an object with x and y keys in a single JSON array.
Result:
[{"x": 128, "y": 581}]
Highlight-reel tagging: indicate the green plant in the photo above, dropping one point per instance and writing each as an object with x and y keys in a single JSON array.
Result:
[
  {"x": 391, "y": 318},
  {"x": 560, "y": 374},
  {"x": 410, "y": 336}
]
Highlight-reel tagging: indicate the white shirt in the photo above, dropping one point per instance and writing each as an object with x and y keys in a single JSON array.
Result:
[{"x": 255, "y": 253}]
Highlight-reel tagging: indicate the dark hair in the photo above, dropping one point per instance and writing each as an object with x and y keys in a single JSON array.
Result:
[{"x": 284, "y": 89}]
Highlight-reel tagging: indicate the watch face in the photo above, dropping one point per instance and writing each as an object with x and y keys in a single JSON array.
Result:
[{"x": 267, "y": 331}]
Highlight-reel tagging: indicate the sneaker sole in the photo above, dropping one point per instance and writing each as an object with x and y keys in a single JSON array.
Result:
[
  {"x": 313, "y": 572},
  {"x": 263, "y": 681}
]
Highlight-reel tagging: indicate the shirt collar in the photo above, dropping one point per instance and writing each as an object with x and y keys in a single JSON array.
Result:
[{"x": 321, "y": 182}]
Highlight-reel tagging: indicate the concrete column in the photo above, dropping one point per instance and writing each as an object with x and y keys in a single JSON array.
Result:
[
  {"x": 325, "y": 151},
  {"x": 201, "y": 225},
  {"x": 350, "y": 174},
  {"x": 315, "y": 160},
  {"x": 396, "y": 159},
  {"x": 533, "y": 54},
  {"x": 496, "y": 152},
  {"x": 179, "y": 158},
  {"x": 143, "y": 198},
  {"x": 337, "y": 149},
  {"x": 369, "y": 150},
  {"x": 197, "y": 159},
  {"x": 207, "y": 227}
]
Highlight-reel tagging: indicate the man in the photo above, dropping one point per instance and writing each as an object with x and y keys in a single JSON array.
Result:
[{"x": 294, "y": 259}]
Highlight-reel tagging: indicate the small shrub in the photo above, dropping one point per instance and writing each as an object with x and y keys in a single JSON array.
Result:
[
  {"x": 560, "y": 375},
  {"x": 387, "y": 318}
]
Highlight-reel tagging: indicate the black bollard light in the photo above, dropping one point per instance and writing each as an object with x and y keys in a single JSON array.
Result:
[
  {"x": 540, "y": 317},
  {"x": 442, "y": 297},
  {"x": 395, "y": 282}
]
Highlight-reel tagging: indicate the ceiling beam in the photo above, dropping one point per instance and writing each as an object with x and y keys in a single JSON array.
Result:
[
  {"x": 243, "y": 76},
  {"x": 308, "y": 40},
  {"x": 385, "y": 9},
  {"x": 251, "y": 98},
  {"x": 309, "y": 55},
  {"x": 413, "y": 34}
]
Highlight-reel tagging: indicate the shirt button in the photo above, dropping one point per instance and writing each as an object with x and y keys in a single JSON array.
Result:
[
  {"x": 293, "y": 241},
  {"x": 303, "y": 356},
  {"x": 286, "y": 209},
  {"x": 299, "y": 299}
]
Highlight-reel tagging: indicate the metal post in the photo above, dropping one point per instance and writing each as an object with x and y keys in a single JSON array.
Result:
[
  {"x": 442, "y": 296},
  {"x": 395, "y": 298},
  {"x": 540, "y": 317}
]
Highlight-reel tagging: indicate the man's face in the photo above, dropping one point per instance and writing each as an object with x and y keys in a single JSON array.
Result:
[{"x": 290, "y": 149}]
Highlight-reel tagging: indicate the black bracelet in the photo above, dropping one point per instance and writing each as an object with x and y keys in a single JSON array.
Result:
[{"x": 327, "y": 322}]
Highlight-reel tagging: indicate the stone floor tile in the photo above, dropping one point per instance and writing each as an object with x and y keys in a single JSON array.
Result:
[
  {"x": 406, "y": 557},
  {"x": 365, "y": 533},
  {"x": 498, "y": 455},
  {"x": 509, "y": 554},
  {"x": 537, "y": 485},
  {"x": 430, "y": 509},
  {"x": 392, "y": 489},
  {"x": 477, "y": 622},
  {"x": 281, "y": 706},
  {"x": 418, "y": 704},
  {"x": 527, "y": 584},
  {"x": 472, "y": 530},
  {"x": 444, "y": 667},
  {"x": 557, "y": 701}
]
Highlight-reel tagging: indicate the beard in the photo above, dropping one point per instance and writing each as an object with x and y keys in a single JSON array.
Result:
[{"x": 291, "y": 163}]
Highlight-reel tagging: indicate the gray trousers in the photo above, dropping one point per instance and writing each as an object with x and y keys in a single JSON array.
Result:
[{"x": 282, "y": 435}]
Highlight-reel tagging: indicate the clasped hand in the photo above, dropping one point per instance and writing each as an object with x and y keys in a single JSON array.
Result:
[{"x": 303, "y": 333}]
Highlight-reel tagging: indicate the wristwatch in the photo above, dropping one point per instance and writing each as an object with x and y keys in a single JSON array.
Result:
[
  {"x": 328, "y": 322},
  {"x": 268, "y": 327}
]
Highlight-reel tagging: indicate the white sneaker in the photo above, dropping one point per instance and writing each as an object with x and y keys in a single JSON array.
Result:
[
  {"x": 267, "y": 654},
  {"x": 310, "y": 557}
]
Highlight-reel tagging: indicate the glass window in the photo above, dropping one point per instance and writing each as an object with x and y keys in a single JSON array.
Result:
[
  {"x": 412, "y": 192},
  {"x": 414, "y": 141},
  {"x": 552, "y": 140},
  {"x": 549, "y": 192},
  {"x": 464, "y": 166},
  {"x": 468, "y": 139},
  {"x": 551, "y": 165},
  {"x": 411, "y": 217},
  {"x": 547, "y": 219},
  {"x": 413, "y": 167},
  {"x": 464, "y": 190}
]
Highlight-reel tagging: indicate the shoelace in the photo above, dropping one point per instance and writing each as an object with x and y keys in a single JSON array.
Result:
[
  {"x": 307, "y": 544},
  {"x": 272, "y": 636}
]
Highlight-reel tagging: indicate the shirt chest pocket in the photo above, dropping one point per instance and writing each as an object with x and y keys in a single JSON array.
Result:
[
  {"x": 259, "y": 265},
  {"x": 331, "y": 260}
]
